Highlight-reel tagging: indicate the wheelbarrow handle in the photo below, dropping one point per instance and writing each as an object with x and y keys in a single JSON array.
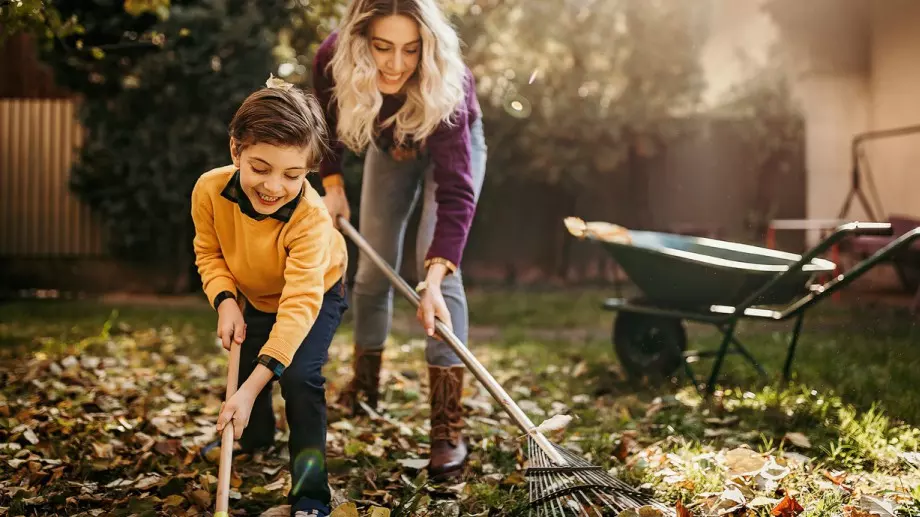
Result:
[
  {"x": 880, "y": 229},
  {"x": 841, "y": 232},
  {"x": 478, "y": 370}
]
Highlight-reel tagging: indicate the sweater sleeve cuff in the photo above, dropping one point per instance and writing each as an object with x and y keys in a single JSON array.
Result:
[
  {"x": 221, "y": 296},
  {"x": 272, "y": 364},
  {"x": 278, "y": 349},
  {"x": 218, "y": 286},
  {"x": 333, "y": 180}
]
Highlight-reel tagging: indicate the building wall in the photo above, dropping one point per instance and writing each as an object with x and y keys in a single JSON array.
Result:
[{"x": 895, "y": 89}]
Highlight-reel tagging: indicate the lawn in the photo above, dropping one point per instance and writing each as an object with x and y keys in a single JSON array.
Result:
[{"x": 104, "y": 406}]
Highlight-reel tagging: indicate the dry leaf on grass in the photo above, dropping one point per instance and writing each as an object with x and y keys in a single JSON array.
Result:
[
  {"x": 642, "y": 511},
  {"x": 345, "y": 510},
  {"x": 744, "y": 462},
  {"x": 412, "y": 463},
  {"x": 277, "y": 511},
  {"x": 798, "y": 439},
  {"x": 788, "y": 507},
  {"x": 554, "y": 424}
]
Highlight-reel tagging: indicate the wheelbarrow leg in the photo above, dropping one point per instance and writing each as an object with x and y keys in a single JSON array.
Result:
[
  {"x": 747, "y": 355},
  {"x": 692, "y": 376},
  {"x": 729, "y": 333},
  {"x": 792, "y": 344}
]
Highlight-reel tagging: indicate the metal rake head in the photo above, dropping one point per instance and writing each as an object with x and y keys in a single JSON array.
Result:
[{"x": 578, "y": 488}]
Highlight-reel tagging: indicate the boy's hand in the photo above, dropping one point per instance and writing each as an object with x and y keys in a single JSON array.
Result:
[
  {"x": 236, "y": 409},
  {"x": 230, "y": 324}
]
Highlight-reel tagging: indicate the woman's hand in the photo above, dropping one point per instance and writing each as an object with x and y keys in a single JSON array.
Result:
[
  {"x": 230, "y": 325},
  {"x": 431, "y": 306},
  {"x": 237, "y": 409},
  {"x": 337, "y": 203}
]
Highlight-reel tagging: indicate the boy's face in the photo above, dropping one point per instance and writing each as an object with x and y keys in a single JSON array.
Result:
[{"x": 270, "y": 175}]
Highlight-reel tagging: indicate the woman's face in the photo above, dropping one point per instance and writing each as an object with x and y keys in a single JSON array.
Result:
[{"x": 396, "y": 46}]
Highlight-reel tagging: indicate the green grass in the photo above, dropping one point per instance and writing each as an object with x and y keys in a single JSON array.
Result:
[{"x": 853, "y": 394}]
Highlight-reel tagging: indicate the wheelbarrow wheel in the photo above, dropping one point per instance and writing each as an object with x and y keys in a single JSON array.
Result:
[{"x": 649, "y": 345}]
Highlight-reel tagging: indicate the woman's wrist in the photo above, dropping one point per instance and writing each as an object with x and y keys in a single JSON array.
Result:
[{"x": 436, "y": 274}]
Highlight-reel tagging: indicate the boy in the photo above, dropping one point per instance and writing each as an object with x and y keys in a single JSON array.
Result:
[{"x": 263, "y": 233}]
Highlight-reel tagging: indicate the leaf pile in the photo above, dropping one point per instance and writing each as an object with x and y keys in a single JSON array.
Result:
[{"x": 118, "y": 429}]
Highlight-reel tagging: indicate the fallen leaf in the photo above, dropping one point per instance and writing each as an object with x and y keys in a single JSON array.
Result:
[
  {"x": 642, "y": 511},
  {"x": 798, "y": 439},
  {"x": 103, "y": 450},
  {"x": 29, "y": 435},
  {"x": 201, "y": 499},
  {"x": 278, "y": 511},
  {"x": 912, "y": 458},
  {"x": 147, "y": 482},
  {"x": 416, "y": 464},
  {"x": 344, "y": 510},
  {"x": 855, "y": 511},
  {"x": 174, "y": 500},
  {"x": 763, "y": 501},
  {"x": 555, "y": 423},
  {"x": 877, "y": 506},
  {"x": 744, "y": 462},
  {"x": 682, "y": 510},
  {"x": 278, "y": 484},
  {"x": 624, "y": 447},
  {"x": 837, "y": 477},
  {"x": 788, "y": 507},
  {"x": 378, "y": 511}
]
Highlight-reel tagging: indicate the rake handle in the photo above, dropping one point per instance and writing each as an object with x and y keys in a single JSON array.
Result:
[
  {"x": 476, "y": 368},
  {"x": 226, "y": 441}
]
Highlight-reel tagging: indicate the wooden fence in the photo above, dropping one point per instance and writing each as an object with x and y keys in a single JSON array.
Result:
[{"x": 39, "y": 215}]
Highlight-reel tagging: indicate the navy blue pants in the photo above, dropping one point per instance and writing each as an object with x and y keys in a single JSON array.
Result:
[{"x": 304, "y": 390}]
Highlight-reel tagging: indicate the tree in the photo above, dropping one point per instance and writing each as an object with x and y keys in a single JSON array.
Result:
[
  {"x": 158, "y": 88},
  {"x": 578, "y": 92},
  {"x": 34, "y": 17}
]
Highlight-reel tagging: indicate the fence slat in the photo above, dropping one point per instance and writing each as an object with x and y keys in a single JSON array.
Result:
[{"x": 39, "y": 215}]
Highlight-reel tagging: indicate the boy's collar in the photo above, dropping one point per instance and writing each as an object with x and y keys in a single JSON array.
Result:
[{"x": 234, "y": 192}]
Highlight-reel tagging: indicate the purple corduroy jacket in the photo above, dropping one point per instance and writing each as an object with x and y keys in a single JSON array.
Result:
[{"x": 448, "y": 147}]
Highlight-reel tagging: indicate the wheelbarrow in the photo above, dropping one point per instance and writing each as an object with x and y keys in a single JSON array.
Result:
[{"x": 685, "y": 278}]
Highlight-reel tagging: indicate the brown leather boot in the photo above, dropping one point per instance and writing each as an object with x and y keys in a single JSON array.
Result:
[
  {"x": 448, "y": 447},
  {"x": 365, "y": 382}
]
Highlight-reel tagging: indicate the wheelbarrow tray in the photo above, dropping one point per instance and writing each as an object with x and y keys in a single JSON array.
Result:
[{"x": 684, "y": 271}]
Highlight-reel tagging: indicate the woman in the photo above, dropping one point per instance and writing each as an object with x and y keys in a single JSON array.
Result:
[{"x": 394, "y": 86}]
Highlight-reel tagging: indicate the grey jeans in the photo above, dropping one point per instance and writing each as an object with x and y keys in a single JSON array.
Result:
[{"x": 389, "y": 193}]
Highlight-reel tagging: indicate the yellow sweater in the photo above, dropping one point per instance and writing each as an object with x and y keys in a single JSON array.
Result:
[{"x": 282, "y": 267}]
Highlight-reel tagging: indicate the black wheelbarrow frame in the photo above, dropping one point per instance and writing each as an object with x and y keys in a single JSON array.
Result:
[{"x": 666, "y": 322}]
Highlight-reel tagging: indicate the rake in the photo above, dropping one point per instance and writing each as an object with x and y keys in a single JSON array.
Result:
[{"x": 559, "y": 482}]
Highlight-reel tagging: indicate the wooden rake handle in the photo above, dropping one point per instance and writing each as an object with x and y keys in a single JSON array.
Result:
[
  {"x": 226, "y": 440},
  {"x": 476, "y": 368}
]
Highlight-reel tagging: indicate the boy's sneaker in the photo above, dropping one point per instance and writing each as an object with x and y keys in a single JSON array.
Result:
[{"x": 309, "y": 508}]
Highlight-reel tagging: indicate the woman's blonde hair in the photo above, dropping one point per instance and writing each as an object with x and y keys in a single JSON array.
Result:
[{"x": 433, "y": 92}]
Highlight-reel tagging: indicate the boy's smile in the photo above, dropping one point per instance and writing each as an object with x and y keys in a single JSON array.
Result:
[{"x": 271, "y": 175}]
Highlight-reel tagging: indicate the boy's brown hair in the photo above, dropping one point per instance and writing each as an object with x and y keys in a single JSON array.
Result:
[{"x": 286, "y": 117}]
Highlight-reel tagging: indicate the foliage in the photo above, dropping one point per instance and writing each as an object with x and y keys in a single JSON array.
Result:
[
  {"x": 158, "y": 86},
  {"x": 569, "y": 88},
  {"x": 34, "y": 17}
]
